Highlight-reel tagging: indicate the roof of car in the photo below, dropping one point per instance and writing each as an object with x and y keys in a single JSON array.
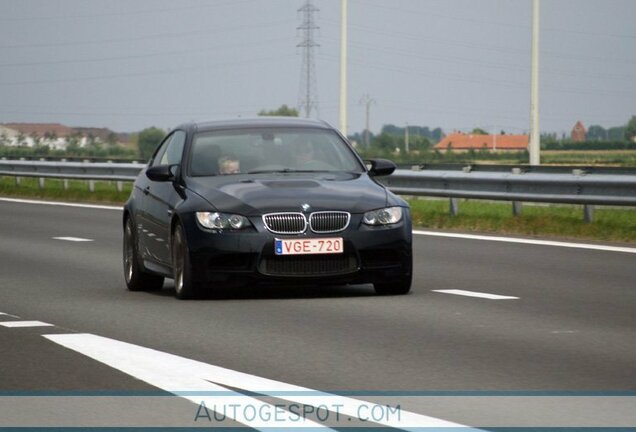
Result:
[{"x": 264, "y": 121}]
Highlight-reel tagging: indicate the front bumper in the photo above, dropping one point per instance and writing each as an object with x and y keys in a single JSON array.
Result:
[{"x": 371, "y": 255}]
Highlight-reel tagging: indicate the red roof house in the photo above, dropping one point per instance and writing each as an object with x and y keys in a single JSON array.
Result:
[
  {"x": 579, "y": 133},
  {"x": 41, "y": 129},
  {"x": 462, "y": 141}
]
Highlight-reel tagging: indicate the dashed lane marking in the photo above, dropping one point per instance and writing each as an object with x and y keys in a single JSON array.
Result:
[
  {"x": 73, "y": 239},
  {"x": 476, "y": 294},
  {"x": 416, "y": 232},
  {"x": 25, "y": 324}
]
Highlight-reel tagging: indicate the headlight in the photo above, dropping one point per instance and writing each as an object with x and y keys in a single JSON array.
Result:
[
  {"x": 385, "y": 216},
  {"x": 218, "y": 220}
]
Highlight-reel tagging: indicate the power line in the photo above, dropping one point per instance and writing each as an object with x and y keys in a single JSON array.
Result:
[
  {"x": 481, "y": 46},
  {"x": 142, "y": 56},
  {"x": 170, "y": 71},
  {"x": 144, "y": 12},
  {"x": 428, "y": 14},
  {"x": 151, "y": 37}
]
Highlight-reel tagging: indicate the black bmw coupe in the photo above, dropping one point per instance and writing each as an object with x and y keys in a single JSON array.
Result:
[{"x": 278, "y": 200}]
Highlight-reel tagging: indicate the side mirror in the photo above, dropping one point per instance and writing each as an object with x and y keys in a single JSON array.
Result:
[
  {"x": 162, "y": 173},
  {"x": 380, "y": 167}
]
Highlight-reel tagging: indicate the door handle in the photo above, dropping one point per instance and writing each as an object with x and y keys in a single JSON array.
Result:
[{"x": 146, "y": 190}]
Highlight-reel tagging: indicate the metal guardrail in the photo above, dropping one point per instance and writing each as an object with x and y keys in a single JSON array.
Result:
[
  {"x": 588, "y": 186},
  {"x": 577, "y": 187},
  {"x": 567, "y": 185},
  {"x": 71, "y": 170},
  {"x": 91, "y": 172}
]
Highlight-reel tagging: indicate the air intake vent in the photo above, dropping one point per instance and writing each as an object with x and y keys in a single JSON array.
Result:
[{"x": 309, "y": 265}]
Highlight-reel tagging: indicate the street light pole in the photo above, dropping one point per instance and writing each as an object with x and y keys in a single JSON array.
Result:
[
  {"x": 367, "y": 101},
  {"x": 535, "y": 133},
  {"x": 406, "y": 138},
  {"x": 343, "y": 68}
]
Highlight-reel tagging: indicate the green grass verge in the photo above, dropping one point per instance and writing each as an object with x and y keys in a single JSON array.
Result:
[
  {"x": 105, "y": 192},
  {"x": 558, "y": 221}
]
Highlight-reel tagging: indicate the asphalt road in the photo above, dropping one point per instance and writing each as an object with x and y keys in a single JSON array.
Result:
[{"x": 571, "y": 327}]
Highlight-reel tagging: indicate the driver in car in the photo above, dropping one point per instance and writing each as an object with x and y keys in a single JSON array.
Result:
[{"x": 229, "y": 165}]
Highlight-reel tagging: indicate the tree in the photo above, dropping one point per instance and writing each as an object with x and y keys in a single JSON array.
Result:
[
  {"x": 111, "y": 139},
  {"x": 390, "y": 129},
  {"x": 92, "y": 141},
  {"x": 385, "y": 142},
  {"x": 479, "y": 131},
  {"x": 616, "y": 133},
  {"x": 21, "y": 139},
  {"x": 437, "y": 134},
  {"x": 148, "y": 140},
  {"x": 72, "y": 147},
  {"x": 283, "y": 111},
  {"x": 596, "y": 133},
  {"x": 630, "y": 129},
  {"x": 419, "y": 143}
]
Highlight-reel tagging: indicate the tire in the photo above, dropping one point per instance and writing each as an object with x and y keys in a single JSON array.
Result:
[
  {"x": 399, "y": 287},
  {"x": 185, "y": 287},
  {"x": 137, "y": 279}
]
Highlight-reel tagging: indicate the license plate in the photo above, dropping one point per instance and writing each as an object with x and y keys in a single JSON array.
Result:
[{"x": 308, "y": 246}]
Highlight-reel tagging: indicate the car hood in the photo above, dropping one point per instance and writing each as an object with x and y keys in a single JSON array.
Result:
[{"x": 266, "y": 193}]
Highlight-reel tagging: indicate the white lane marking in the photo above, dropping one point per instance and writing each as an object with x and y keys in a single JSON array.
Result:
[
  {"x": 174, "y": 376},
  {"x": 529, "y": 241},
  {"x": 476, "y": 294},
  {"x": 179, "y": 375},
  {"x": 417, "y": 232},
  {"x": 25, "y": 324},
  {"x": 61, "y": 204},
  {"x": 7, "y": 314},
  {"x": 73, "y": 239}
]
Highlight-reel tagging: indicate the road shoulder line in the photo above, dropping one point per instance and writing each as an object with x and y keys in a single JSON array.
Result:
[{"x": 588, "y": 246}]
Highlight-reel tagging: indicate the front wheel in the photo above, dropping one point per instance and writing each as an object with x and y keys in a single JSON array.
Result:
[
  {"x": 185, "y": 286},
  {"x": 136, "y": 278},
  {"x": 400, "y": 286}
]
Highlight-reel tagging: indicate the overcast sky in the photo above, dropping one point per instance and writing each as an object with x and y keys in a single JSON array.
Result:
[{"x": 457, "y": 64}]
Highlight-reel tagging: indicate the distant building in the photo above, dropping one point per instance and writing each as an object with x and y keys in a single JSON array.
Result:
[
  {"x": 579, "y": 133},
  {"x": 7, "y": 135},
  {"x": 55, "y": 135},
  {"x": 464, "y": 142}
]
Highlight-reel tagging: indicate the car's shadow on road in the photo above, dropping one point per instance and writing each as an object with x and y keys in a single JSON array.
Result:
[{"x": 269, "y": 292}]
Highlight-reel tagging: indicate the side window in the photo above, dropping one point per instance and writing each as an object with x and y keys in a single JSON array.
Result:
[
  {"x": 174, "y": 150},
  {"x": 156, "y": 160},
  {"x": 171, "y": 150}
]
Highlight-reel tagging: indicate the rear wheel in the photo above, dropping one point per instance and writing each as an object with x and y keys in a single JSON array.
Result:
[
  {"x": 136, "y": 278},
  {"x": 398, "y": 287},
  {"x": 185, "y": 286}
]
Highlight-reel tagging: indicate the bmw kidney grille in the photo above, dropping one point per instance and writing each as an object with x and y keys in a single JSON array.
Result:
[{"x": 322, "y": 222}]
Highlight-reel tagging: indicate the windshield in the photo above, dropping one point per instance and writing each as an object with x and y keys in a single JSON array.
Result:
[{"x": 262, "y": 150}]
